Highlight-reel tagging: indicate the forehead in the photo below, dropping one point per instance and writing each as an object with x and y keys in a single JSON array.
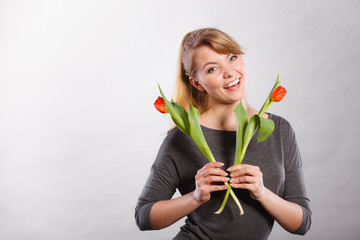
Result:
[{"x": 205, "y": 54}]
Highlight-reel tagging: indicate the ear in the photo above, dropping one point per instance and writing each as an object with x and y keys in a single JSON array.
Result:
[{"x": 196, "y": 84}]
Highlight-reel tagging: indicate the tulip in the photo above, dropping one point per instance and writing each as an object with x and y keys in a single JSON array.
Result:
[
  {"x": 160, "y": 105},
  {"x": 246, "y": 129},
  {"x": 278, "y": 94}
]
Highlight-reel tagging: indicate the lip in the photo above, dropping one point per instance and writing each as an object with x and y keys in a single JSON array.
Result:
[{"x": 234, "y": 87}]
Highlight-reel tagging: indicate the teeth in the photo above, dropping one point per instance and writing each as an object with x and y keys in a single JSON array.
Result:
[{"x": 233, "y": 83}]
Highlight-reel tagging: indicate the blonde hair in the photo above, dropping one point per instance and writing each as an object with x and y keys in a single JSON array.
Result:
[{"x": 184, "y": 90}]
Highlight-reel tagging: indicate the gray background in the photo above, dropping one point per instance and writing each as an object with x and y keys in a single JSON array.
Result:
[{"x": 79, "y": 132}]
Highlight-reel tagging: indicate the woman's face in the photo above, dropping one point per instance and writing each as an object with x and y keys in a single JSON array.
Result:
[{"x": 222, "y": 76}]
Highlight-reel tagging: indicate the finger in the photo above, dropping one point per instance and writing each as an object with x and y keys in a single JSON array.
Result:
[
  {"x": 243, "y": 179},
  {"x": 214, "y": 165},
  {"x": 247, "y": 186},
  {"x": 212, "y": 168},
  {"x": 235, "y": 168},
  {"x": 211, "y": 165},
  {"x": 214, "y": 188},
  {"x": 246, "y": 170},
  {"x": 215, "y": 171},
  {"x": 214, "y": 179},
  {"x": 240, "y": 166},
  {"x": 202, "y": 180}
]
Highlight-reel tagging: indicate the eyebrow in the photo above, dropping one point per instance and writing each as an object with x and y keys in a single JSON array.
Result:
[{"x": 209, "y": 63}]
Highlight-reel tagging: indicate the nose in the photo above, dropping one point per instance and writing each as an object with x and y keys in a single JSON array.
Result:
[{"x": 228, "y": 72}]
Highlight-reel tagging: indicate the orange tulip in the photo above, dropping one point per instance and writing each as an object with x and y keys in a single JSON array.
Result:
[
  {"x": 278, "y": 94},
  {"x": 160, "y": 105}
]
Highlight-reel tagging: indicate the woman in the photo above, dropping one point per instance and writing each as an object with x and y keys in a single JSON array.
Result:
[{"x": 269, "y": 183}]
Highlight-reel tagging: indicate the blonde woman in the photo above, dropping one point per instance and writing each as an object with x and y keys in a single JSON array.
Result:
[{"x": 270, "y": 182}]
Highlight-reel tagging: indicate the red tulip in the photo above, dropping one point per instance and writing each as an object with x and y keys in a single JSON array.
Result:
[
  {"x": 160, "y": 105},
  {"x": 278, "y": 94}
]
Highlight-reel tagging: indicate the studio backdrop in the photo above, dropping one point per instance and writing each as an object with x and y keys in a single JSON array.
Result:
[{"x": 79, "y": 133}]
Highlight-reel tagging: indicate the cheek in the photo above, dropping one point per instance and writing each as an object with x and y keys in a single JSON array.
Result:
[
  {"x": 241, "y": 66},
  {"x": 209, "y": 82}
]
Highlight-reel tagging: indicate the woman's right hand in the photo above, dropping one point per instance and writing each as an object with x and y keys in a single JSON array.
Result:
[{"x": 206, "y": 178}]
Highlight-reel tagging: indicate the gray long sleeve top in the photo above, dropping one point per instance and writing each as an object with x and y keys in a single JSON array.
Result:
[{"x": 179, "y": 159}]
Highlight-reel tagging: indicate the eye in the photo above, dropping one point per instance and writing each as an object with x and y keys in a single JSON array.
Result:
[
  {"x": 210, "y": 70},
  {"x": 233, "y": 57}
]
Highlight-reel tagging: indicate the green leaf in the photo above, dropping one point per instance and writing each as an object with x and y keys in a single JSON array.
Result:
[
  {"x": 196, "y": 133},
  {"x": 249, "y": 133},
  {"x": 242, "y": 122},
  {"x": 266, "y": 128},
  {"x": 177, "y": 113}
]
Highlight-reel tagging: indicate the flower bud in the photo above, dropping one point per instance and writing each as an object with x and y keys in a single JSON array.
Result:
[
  {"x": 160, "y": 105},
  {"x": 278, "y": 94}
]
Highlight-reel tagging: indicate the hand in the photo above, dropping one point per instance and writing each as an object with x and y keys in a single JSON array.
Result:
[
  {"x": 248, "y": 177},
  {"x": 205, "y": 179}
]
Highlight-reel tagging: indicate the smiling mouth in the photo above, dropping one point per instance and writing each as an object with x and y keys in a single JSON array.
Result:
[{"x": 233, "y": 83}]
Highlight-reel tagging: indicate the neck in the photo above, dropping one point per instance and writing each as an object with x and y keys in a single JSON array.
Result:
[{"x": 222, "y": 116}]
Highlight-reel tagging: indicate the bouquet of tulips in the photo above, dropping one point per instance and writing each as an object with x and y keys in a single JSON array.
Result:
[{"x": 189, "y": 123}]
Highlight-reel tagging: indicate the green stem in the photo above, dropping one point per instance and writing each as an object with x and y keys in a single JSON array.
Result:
[
  {"x": 237, "y": 202},
  {"x": 268, "y": 101},
  {"x": 265, "y": 108},
  {"x": 231, "y": 192},
  {"x": 225, "y": 200},
  {"x": 242, "y": 155}
]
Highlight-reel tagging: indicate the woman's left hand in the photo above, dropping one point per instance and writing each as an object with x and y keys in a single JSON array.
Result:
[{"x": 248, "y": 177}]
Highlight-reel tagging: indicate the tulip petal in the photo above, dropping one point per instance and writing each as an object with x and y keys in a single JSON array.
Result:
[
  {"x": 278, "y": 94},
  {"x": 159, "y": 105}
]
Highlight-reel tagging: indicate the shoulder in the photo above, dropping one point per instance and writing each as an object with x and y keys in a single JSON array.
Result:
[
  {"x": 279, "y": 120},
  {"x": 179, "y": 149},
  {"x": 282, "y": 125},
  {"x": 177, "y": 157},
  {"x": 175, "y": 145},
  {"x": 174, "y": 139},
  {"x": 288, "y": 140},
  {"x": 284, "y": 131},
  {"x": 165, "y": 164}
]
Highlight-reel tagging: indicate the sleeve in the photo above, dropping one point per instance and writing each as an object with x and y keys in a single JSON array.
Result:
[
  {"x": 160, "y": 185},
  {"x": 295, "y": 188}
]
